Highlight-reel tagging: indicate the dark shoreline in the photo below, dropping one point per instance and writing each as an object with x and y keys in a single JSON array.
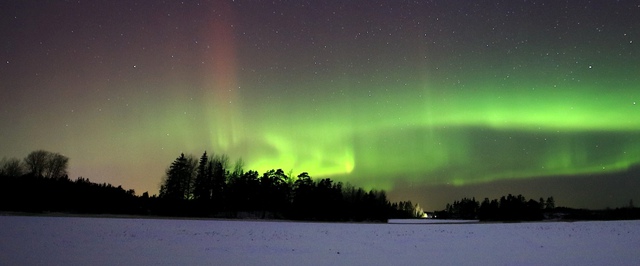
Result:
[{"x": 391, "y": 221}]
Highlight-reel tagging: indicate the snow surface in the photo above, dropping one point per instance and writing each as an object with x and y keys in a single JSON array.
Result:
[{"x": 28, "y": 240}]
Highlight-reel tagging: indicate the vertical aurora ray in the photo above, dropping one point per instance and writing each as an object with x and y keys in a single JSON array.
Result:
[{"x": 222, "y": 105}]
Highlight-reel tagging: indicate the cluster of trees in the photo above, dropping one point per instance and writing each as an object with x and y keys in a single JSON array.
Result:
[
  {"x": 39, "y": 183},
  {"x": 208, "y": 187},
  {"x": 38, "y": 163},
  {"x": 29, "y": 193},
  {"x": 509, "y": 208}
]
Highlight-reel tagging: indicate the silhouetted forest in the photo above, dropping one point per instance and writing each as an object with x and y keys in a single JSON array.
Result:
[
  {"x": 209, "y": 187},
  {"x": 517, "y": 208},
  {"x": 193, "y": 188},
  {"x": 509, "y": 208}
]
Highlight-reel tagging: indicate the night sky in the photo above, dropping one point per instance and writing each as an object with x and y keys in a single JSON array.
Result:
[{"x": 429, "y": 100}]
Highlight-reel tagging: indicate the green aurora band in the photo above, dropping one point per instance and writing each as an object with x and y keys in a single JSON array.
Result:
[{"x": 474, "y": 135}]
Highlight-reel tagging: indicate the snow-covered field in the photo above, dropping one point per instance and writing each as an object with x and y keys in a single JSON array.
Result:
[{"x": 113, "y": 241}]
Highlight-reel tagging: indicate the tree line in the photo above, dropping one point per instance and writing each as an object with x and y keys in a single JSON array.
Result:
[
  {"x": 208, "y": 186},
  {"x": 518, "y": 208},
  {"x": 507, "y": 208},
  {"x": 39, "y": 183},
  {"x": 205, "y": 187},
  {"x": 38, "y": 163}
]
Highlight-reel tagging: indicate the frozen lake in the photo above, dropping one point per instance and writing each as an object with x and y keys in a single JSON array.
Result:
[{"x": 28, "y": 240}]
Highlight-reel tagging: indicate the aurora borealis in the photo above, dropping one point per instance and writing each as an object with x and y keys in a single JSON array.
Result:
[{"x": 429, "y": 100}]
